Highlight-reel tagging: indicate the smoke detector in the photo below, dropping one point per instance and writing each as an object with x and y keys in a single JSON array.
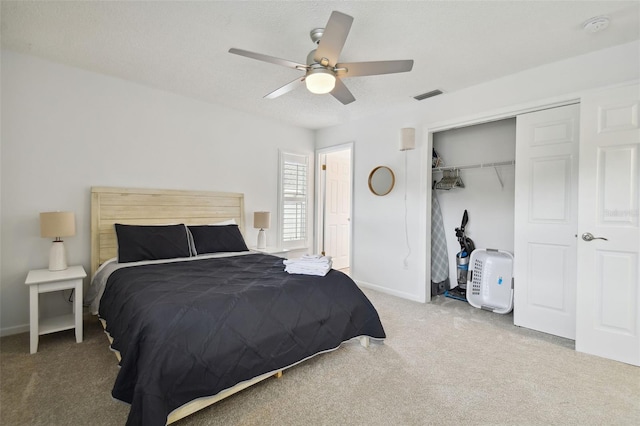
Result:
[{"x": 596, "y": 24}]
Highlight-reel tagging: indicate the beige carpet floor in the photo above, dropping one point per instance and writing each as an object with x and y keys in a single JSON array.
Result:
[{"x": 444, "y": 363}]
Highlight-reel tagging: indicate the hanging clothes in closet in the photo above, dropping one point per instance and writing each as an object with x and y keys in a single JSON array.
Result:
[{"x": 439, "y": 256}]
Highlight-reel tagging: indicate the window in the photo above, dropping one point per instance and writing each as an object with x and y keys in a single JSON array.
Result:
[{"x": 294, "y": 200}]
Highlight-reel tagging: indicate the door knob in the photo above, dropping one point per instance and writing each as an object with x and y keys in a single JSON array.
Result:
[{"x": 588, "y": 236}]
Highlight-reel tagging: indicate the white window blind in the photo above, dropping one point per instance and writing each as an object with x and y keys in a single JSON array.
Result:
[{"x": 294, "y": 195}]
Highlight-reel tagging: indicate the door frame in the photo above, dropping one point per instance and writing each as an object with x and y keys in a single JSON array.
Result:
[
  {"x": 320, "y": 198},
  {"x": 484, "y": 117}
]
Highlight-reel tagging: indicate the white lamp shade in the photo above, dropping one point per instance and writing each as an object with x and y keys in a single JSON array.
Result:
[
  {"x": 57, "y": 224},
  {"x": 261, "y": 220}
]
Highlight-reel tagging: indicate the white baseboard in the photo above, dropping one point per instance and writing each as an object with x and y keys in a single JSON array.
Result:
[
  {"x": 8, "y": 331},
  {"x": 392, "y": 292}
]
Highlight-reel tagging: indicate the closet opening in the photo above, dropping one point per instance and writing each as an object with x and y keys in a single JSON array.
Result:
[{"x": 473, "y": 170}]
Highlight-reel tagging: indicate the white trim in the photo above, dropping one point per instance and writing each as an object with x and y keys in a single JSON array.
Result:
[
  {"x": 479, "y": 118},
  {"x": 386, "y": 290},
  {"x": 518, "y": 109},
  {"x": 424, "y": 226},
  {"x": 17, "y": 329},
  {"x": 503, "y": 113}
]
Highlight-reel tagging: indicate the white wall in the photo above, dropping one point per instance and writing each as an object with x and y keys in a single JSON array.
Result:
[
  {"x": 490, "y": 206},
  {"x": 378, "y": 237},
  {"x": 65, "y": 130}
]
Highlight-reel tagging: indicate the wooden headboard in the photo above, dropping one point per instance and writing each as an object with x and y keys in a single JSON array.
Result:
[{"x": 154, "y": 207}]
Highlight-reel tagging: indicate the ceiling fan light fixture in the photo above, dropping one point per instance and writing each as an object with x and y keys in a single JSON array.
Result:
[
  {"x": 323, "y": 68},
  {"x": 320, "y": 81}
]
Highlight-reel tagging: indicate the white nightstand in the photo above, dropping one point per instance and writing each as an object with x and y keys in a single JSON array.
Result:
[
  {"x": 44, "y": 281},
  {"x": 283, "y": 253}
]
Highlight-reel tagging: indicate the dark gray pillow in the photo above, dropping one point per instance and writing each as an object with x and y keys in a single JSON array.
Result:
[
  {"x": 151, "y": 242},
  {"x": 217, "y": 238}
]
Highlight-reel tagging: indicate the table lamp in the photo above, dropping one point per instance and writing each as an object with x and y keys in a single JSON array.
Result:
[
  {"x": 261, "y": 220},
  {"x": 57, "y": 225}
]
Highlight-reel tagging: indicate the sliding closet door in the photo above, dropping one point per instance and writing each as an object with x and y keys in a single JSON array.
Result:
[
  {"x": 546, "y": 211},
  {"x": 608, "y": 306}
]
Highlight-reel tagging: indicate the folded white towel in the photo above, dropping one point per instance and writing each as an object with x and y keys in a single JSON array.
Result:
[
  {"x": 309, "y": 260},
  {"x": 301, "y": 269},
  {"x": 315, "y": 258},
  {"x": 309, "y": 265}
]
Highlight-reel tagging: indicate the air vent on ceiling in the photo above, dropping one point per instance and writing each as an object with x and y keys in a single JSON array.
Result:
[{"x": 428, "y": 95}]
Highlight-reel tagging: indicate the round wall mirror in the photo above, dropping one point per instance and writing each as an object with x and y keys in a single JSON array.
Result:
[{"x": 381, "y": 180}]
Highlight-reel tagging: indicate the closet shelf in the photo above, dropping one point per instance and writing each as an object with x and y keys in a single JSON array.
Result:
[{"x": 474, "y": 166}]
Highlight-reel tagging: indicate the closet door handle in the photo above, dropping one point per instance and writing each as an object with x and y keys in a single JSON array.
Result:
[{"x": 588, "y": 236}]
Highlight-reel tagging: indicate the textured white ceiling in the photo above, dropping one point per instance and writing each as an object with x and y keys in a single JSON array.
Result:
[{"x": 182, "y": 46}]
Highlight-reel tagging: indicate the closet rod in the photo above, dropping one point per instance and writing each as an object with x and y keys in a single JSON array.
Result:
[{"x": 475, "y": 166}]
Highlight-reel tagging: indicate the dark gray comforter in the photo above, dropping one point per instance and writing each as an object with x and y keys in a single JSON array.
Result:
[{"x": 192, "y": 329}]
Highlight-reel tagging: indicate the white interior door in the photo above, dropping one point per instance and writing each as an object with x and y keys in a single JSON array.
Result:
[
  {"x": 608, "y": 303},
  {"x": 546, "y": 201},
  {"x": 338, "y": 207}
]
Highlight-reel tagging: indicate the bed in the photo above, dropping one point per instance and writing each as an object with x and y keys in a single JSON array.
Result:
[{"x": 194, "y": 316}]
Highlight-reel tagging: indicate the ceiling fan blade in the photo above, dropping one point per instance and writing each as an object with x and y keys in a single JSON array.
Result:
[
  {"x": 341, "y": 93},
  {"x": 285, "y": 89},
  {"x": 358, "y": 69},
  {"x": 333, "y": 37},
  {"x": 267, "y": 58}
]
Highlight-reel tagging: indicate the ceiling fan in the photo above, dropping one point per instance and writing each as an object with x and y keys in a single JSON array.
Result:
[{"x": 323, "y": 72}]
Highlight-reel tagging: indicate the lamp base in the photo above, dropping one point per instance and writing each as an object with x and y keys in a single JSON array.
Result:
[
  {"x": 57, "y": 257},
  {"x": 262, "y": 239}
]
